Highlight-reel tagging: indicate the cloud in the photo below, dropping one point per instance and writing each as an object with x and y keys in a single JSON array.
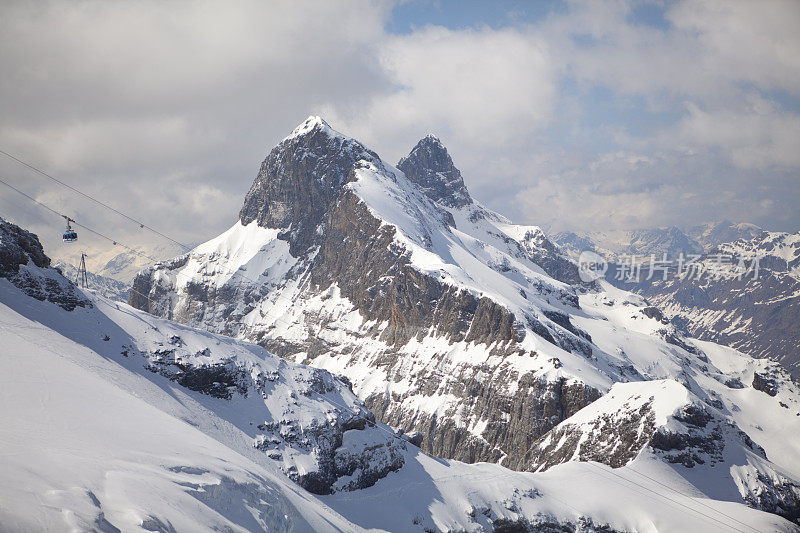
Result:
[
  {"x": 625, "y": 190},
  {"x": 586, "y": 117},
  {"x": 754, "y": 136},
  {"x": 166, "y": 110},
  {"x": 743, "y": 41},
  {"x": 484, "y": 87},
  {"x": 702, "y": 51}
]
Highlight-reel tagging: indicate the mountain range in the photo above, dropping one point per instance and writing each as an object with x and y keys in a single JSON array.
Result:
[{"x": 756, "y": 312}]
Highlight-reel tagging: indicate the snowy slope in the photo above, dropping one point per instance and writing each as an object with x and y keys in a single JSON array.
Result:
[{"x": 89, "y": 444}]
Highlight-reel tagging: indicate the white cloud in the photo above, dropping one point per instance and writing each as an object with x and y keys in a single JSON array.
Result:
[
  {"x": 742, "y": 40},
  {"x": 475, "y": 88},
  {"x": 167, "y": 109},
  {"x": 709, "y": 49},
  {"x": 756, "y": 136}
]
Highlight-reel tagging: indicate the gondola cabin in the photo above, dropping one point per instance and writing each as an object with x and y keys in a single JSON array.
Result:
[{"x": 70, "y": 235}]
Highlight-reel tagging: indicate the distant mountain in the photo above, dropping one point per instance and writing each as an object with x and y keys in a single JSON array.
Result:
[
  {"x": 713, "y": 234},
  {"x": 108, "y": 287},
  {"x": 642, "y": 243},
  {"x": 757, "y": 316},
  {"x": 124, "y": 266},
  {"x": 755, "y": 311},
  {"x": 450, "y": 321}
]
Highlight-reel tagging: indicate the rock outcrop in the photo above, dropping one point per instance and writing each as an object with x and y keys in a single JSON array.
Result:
[
  {"x": 431, "y": 168},
  {"x": 24, "y": 263},
  {"x": 665, "y": 420}
]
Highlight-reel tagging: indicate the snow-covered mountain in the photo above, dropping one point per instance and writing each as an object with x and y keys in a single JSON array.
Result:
[
  {"x": 115, "y": 420},
  {"x": 110, "y": 263},
  {"x": 108, "y": 287},
  {"x": 656, "y": 241},
  {"x": 643, "y": 243},
  {"x": 446, "y": 318},
  {"x": 712, "y": 234},
  {"x": 339, "y": 259},
  {"x": 125, "y": 265},
  {"x": 756, "y": 313}
]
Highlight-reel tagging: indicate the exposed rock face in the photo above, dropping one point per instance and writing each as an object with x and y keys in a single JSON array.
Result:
[
  {"x": 630, "y": 420},
  {"x": 614, "y": 439},
  {"x": 17, "y": 247},
  {"x": 515, "y": 419},
  {"x": 358, "y": 254},
  {"x": 431, "y": 168},
  {"x": 765, "y": 384},
  {"x": 546, "y": 254},
  {"x": 24, "y": 263},
  {"x": 297, "y": 184}
]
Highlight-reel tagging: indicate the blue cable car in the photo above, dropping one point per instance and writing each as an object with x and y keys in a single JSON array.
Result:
[{"x": 70, "y": 235}]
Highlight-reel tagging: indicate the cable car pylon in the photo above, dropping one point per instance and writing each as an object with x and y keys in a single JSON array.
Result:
[{"x": 82, "y": 277}]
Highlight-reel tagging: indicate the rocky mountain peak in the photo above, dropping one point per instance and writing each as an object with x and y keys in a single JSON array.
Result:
[
  {"x": 301, "y": 177},
  {"x": 431, "y": 168},
  {"x": 313, "y": 124}
]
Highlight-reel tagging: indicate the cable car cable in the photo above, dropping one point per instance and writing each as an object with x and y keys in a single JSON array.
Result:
[{"x": 95, "y": 200}]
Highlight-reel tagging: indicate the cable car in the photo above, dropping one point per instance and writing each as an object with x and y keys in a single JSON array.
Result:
[{"x": 70, "y": 235}]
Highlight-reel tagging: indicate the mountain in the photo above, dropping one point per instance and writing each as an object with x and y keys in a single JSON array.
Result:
[
  {"x": 124, "y": 266},
  {"x": 115, "y": 420},
  {"x": 431, "y": 168},
  {"x": 613, "y": 245},
  {"x": 718, "y": 301},
  {"x": 340, "y": 261},
  {"x": 656, "y": 241},
  {"x": 754, "y": 309},
  {"x": 450, "y": 321},
  {"x": 108, "y": 287},
  {"x": 713, "y": 234}
]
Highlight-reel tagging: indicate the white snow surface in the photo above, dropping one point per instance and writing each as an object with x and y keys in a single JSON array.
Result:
[{"x": 311, "y": 123}]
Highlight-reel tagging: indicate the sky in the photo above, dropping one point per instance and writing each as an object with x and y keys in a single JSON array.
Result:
[{"x": 570, "y": 115}]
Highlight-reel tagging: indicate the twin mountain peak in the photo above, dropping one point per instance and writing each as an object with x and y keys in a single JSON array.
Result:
[{"x": 307, "y": 171}]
